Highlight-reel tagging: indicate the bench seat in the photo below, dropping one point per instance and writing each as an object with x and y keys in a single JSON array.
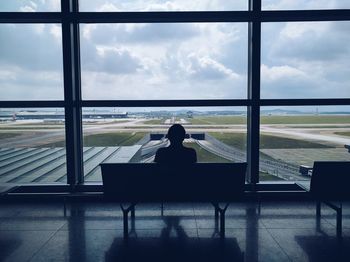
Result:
[{"x": 200, "y": 182}]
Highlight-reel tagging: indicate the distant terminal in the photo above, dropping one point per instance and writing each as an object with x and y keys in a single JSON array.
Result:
[{"x": 60, "y": 115}]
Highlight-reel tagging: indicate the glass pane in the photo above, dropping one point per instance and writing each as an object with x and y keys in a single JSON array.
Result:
[
  {"x": 305, "y": 60},
  {"x": 292, "y": 137},
  {"x": 162, "y": 5},
  {"x": 304, "y": 4},
  {"x": 32, "y": 146},
  {"x": 30, "y": 6},
  {"x": 31, "y": 66},
  {"x": 164, "y": 61},
  {"x": 134, "y": 134}
]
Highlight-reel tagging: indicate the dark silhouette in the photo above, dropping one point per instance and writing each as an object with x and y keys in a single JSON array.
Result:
[{"x": 176, "y": 152}]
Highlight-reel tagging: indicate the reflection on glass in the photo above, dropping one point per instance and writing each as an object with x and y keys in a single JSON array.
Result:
[
  {"x": 134, "y": 134},
  {"x": 162, "y": 5},
  {"x": 305, "y": 60},
  {"x": 292, "y": 137},
  {"x": 31, "y": 63},
  {"x": 32, "y": 146},
  {"x": 164, "y": 61}
]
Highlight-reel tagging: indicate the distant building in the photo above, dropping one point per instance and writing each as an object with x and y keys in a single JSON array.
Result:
[{"x": 189, "y": 114}]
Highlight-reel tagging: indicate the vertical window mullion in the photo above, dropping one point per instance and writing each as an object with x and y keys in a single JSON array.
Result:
[
  {"x": 72, "y": 95},
  {"x": 254, "y": 51}
]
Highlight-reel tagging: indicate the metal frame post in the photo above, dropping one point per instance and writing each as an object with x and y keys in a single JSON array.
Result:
[
  {"x": 254, "y": 59},
  {"x": 72, "y": 93}
]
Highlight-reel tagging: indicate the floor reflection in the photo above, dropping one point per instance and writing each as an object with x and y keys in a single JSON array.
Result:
[{"x": 173, "y": 244}]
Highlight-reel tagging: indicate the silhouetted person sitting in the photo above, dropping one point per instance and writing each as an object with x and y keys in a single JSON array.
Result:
[{"x": 176, "y": 153}]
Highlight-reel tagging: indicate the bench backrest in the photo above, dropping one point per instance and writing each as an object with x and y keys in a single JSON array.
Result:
[
  {"x": 331, "y": 180},
  {"x": 137, "y": 182}
]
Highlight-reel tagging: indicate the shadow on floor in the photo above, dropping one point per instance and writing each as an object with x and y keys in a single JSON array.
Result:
[{"x": 174, "y": 245}]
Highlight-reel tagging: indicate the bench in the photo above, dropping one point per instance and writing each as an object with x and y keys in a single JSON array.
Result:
[
  {"x": 200, "y": 182},
  {"x": 330, "y": 182}
]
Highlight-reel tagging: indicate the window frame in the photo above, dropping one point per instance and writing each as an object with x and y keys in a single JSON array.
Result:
[{"x": 70, "y": 18}]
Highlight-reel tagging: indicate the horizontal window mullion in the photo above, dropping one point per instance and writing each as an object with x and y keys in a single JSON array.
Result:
[
  {"x": 32, "y": 104},
  {"x": 178, "y": 16},
  {"x": 163, "y": 103},
  {"x": 30, "y": 17},
  {"x": 305, "y": 15},
  {"x": 164, "y": 17}
]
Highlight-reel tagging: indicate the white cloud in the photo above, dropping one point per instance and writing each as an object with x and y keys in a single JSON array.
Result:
[
  {"x": 162, "y": 5},
  {"x": 303, "y": 4},
  {"x": 280, "y": 72},
  {"x": 56, "y": 31},
  {"x": 207, "y": 68},
  {"x": 27, "y": 8}
]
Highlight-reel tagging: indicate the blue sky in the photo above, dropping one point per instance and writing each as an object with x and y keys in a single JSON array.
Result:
[{"x": 177, "y": 61}]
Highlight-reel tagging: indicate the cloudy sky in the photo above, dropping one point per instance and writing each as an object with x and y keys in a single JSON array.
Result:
[{"x": 176, "y": 61}]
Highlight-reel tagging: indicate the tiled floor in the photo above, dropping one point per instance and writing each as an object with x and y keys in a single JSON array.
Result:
[{"x": 283, "y": 231}]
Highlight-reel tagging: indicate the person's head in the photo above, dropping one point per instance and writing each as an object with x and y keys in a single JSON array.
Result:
[{"x": 176, "y": 134}]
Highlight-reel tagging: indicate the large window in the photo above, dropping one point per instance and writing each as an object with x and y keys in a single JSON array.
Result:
[
  {"x": 305, "y": 60},
  {"x": 85, "y": 82},
  {"x": 120, "y": 135},
  {"x": 31, "y": 65},
  {"x": 164, "y": 61},
  {"x": 294, "y": 137},
  {"x": 33, "y": 148}
]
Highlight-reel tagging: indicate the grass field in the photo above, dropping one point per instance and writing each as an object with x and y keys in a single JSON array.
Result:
[
  {"x": 294, "y": 119},
  {"x": 306, "y": 119},
  {"x": 342, "y": 133},
  {"x": 266, "y": 141},
  {"x": 263, "y": 176},
  {"x": 318, "y": 126},
  {"x": 218, "y": 120},
  {"x": 205, "y": 156},
  {"x": 14, "y": 128},
  {"x": 113, "y": 139},
  {"x": 106, "y": 139},
  {"x": 154, "y": 121},
  {"x": 8, "y": 135}
]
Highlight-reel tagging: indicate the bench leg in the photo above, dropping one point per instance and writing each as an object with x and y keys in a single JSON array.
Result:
[
  {"x": 216, "y": 213},
  {"x": 125, "y": 218},
  {"x": 64, "y": 206},
  {"x": 125, "y": 223},
  {"x": 339, "y": 210},
  {"x": 162, "y": 209},
  {"x": 318, "y": 209},
  {"x": 220, "y": 215},
  {"x": 222, "y": 223},
  {"x": 132, "y": 213},
  {"x": 339, "y": 222}
]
